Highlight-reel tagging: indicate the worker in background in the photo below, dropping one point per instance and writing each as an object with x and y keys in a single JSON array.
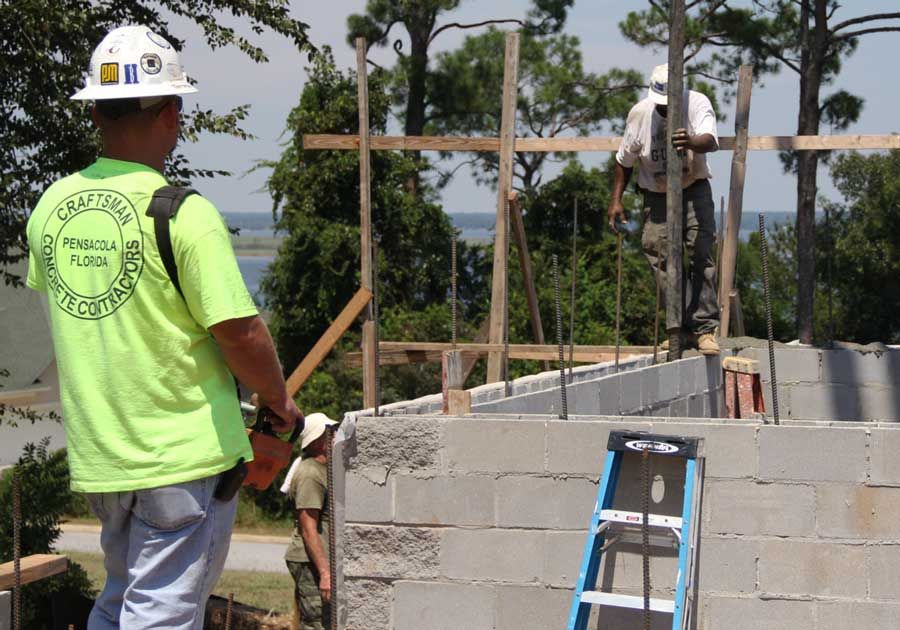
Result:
[
  {"x": 152, "y": 419},
  {"x": 644, "y": 144},
  {"x": 306, "y": 485}
]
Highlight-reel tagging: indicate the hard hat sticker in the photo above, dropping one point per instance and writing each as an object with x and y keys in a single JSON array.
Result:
[
  {"x": 652, "y": 446},
  {"x": 151, "y": 63},
  {"x": 109, "y": 74},
  {"x": 131, "y": 74},
  {"x": 92, "y": 248},
  {"x": 158, "y": 40}
]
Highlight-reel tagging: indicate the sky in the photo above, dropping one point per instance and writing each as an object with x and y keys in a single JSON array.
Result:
[{"x": 228, "y": 78}]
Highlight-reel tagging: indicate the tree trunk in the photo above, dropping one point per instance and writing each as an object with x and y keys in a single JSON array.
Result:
[
  {"x": 415, "y": 104},
  {"x": 813, "y": 52}
]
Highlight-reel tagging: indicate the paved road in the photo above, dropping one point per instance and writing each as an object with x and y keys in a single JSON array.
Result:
[{"x": 247, "y": 553}]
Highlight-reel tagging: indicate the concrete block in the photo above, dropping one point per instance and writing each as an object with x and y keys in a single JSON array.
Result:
[
  {"x": 728, "y": 565},
  {"x": 398, "y": 442},
  {"x": 650, "y": 394},
  {"x": 687, "y": 379},
  {"x": 792, "y": 365},
  {"x": 630, "y": 391},
  {"x": 879, "y": 402},
  {"x": 373, "y": 551},
  {"x": 502, "y": 555},
  {"x": 708, "y": 372},
  {"x": 820, "y": 401},
  {"x": 608, "y": 395},
  {"x": 575, "y": 446},
  {"x": 695, "y": 406},
  {"x": 5, "y": 610},
  {"x": 368, "y": 604},
  {"x": 494, "y": 445},
  {"x": 669, "y": 380},
  {"x": 545, "y": 502},
  {"x": 441, "y": 606},
  {"x": 730, "y": 449},
  {"x": 812, "y": 453},
  {"x": 465, "y": 500},
  {"x": 842, "y": 615},
  {"x": 520, "y": 607},
  {"x": 884, "y": 464},
  {"x": 562, "y": 558},
  {"x": 855, "y": 368},
  {"x": 756, "y": 614},
  {"x": 368, "y": 501},
  {"x": 857, "y": 512},
  {"x": 759, "y": 509},
  {"x": 819, "y": 569},
  {"x": 884, "y": 579},
  {"x": 679, "y": 408},
  {"x": 622, "y": 569},
  {"x": 607, "y": 618}
]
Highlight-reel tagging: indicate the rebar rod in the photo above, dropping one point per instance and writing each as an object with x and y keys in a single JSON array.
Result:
[
  {"x": 453, "y": 303},
  {"x": 764, "y": 254},
  {"x": 828, "y": 278},
  {"x": 572, "y": 298},
  {"x": 506, "y": 385},
  {"x": 564, "y": 410},
  {"x": 645, "y": 533},
  {"x": 228, "y": 611},
  {"x": 376, "y": 332},
  {"x": 332, "y": 534},
  {"x": 17, "y": 549},
  {"x": 618, "y": 295},
  {"x": 656, "y": 316}
]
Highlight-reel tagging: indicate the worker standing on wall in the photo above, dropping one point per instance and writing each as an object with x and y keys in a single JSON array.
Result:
[
  {"x": 306, "y": 485},
  {"x": 153, "y": 422},
  {"x": 644, "y": 143}
]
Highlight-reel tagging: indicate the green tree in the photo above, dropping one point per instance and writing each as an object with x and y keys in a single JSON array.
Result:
[
  {"x": 804, "y": 36},
  {"x": 47, "y": 47},
  {"x": 556, "y": 97}
]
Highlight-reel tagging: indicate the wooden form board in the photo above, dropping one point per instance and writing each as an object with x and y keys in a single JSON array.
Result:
[
  {"x": 500, "y": 278},
  {"x": 590, "y": 144},
  {"x": 326, "y": 342},
  {"x": 33, "y": 568},
  {"x": 518, "y": 230}
]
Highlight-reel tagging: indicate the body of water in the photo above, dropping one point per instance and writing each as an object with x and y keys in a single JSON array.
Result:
[{"x": 253, "y": 268}]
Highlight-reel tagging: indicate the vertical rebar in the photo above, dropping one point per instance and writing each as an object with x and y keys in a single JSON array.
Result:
[
  {"x": 572, "y": 298},
  {"x": 764, "y": 254},
  {"x": 618, "y": 294},
  {"x": 228, "y": 611},
  {"x": 332, "y": 534},
  {"x": 564, "y": 412},
  {"x": 506, "y": 386},
  {"x": 17, "y": 550},
  {"x": 645, "y": 532},
  {"x": 656, "y": 316},
  {"x": 377, "y": 335},
  {"x": 829, "y": 256},
  {"x": 453, "y": 301}
]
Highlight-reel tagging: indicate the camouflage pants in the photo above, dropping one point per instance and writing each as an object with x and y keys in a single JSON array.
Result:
[
  {"x": 702, "y": 312},
  {"x": 314, "y": 615}
]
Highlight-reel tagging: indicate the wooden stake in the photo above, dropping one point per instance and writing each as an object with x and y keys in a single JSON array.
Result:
[
  {"x": 735, "y": 196},
  {"x": 674, "y": 207},
  {"x": 365, "y": 221},
  {"x": 518, "y": 230},
  {"x": 504, "y": 185}
]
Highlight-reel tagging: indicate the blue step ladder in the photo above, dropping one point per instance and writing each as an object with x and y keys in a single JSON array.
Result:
[{"x": 609, "y": 526}]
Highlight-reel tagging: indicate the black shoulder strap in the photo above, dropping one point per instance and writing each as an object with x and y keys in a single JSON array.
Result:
[{"x": 163, "y": 206}]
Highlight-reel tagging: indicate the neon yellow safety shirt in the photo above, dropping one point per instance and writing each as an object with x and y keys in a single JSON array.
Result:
[{"x": 147, "y": 399}]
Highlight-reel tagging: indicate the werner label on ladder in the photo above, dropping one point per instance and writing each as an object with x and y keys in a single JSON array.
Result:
[{"x": 611, "y": 526}]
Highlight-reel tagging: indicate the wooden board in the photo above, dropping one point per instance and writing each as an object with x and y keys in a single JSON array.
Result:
[
  {"x": 518, "y": 230},
  {"x": 33, "y": 568},
  {"x": 326, "y": 342},
  {"x": 590, "y": 144},
  {"x": 365, "y": 220},
  {"x": 499, "y": 278}
]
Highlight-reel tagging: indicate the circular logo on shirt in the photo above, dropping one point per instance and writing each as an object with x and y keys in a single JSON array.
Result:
[{"x": 93, "y": 252}]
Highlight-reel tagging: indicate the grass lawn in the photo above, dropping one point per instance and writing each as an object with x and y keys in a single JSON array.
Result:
[{"x": 269, "y": 591}]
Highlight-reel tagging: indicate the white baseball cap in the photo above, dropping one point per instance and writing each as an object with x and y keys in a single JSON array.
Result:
[
  {"x": 314, "y": 428},
  {"x": 134, "y": 62},
  {"x": 659, "y": 85}
]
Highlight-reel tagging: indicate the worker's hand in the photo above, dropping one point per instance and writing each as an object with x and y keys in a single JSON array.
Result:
[
  {"x": 286, "y": 412},
  {"x": 682, "y": 141},
  {"x": 616, "y": 214},
  {"x": 325, "y": 587}
]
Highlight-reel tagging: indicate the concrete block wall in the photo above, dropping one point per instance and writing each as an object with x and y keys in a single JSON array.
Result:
[
  {"x": 837, "y": 384},
  {"x": 479, "y": 522}
]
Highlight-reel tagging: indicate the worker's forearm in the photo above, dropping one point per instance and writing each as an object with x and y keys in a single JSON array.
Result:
[
  {"x": 250, "y": 353},
  {"x": 314, "y": 549},
  {"x": 620, "y": 180},
  {"x": 704, "y": 143}
]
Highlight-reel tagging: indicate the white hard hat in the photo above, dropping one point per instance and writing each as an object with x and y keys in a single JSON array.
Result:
[
  {"x": 314, "y": 428},
  {"x": 659, "y": 85},
  {"x": 134, "y": 62}
]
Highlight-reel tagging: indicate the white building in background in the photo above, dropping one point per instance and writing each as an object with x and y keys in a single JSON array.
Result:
[{"x": 26, "y": 353}]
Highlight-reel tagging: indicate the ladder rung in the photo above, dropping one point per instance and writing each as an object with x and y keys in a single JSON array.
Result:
[
  {"x": 627, "y": 601},
  {"x": 667, "y": 541},
  {"x": 636, "y": 518}
]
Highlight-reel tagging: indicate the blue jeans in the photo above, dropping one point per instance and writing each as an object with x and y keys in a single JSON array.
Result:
[{"x": 164, "y": 549}]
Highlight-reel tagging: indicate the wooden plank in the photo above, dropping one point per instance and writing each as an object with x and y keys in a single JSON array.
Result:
[
  {"x": 480, "y": 337},
  {"x": 589, "y": 144},
  {"x": 459, "y": 402},
  {"x": 735, "y": 196},
  {"x": 326, "y": 342},
  {"x": 33, "y": 568},
  {"x": 674, "y": 212},
  {"x": 365, "y": 220},
  {"x": 451, "y": 375},
  {"x": 499, "y": 280},
  {"x": 518, "y": 230}
]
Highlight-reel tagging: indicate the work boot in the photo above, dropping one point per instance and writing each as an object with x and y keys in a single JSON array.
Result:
[{"x": 707, "y": 344}]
